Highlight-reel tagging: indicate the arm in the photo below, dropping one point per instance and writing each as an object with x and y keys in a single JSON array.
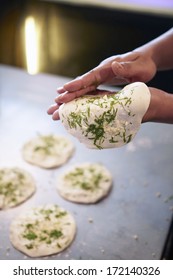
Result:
[{"x": 160, "y": 50}]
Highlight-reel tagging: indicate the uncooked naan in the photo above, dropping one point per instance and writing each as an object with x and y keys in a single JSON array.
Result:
[
  {"x": 106, "y": 121},
  {"x": 16, "y": 186},
  {"x": 43, "y": 231},
  {"x": 85, "y": 183},
  {"x": 48, "y": 151}
]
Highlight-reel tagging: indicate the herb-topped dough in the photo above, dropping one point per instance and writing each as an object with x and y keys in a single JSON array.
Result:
[
  {"x": 48, "y": 151},
  {"x": 106, "y": 121},
  {"x": 16, "y": 186},
  {"x": 85, "y": 183},
  {"x": 43, "y": 231}
]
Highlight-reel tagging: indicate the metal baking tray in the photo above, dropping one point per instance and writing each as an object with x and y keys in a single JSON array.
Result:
[{"x": 133, "y": 220}]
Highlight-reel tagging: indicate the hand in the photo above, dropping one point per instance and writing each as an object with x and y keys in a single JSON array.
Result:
[{"x": 116, "y": 70}]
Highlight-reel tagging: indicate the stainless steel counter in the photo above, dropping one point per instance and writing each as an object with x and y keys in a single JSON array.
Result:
[{"x": 133, "y": 221}]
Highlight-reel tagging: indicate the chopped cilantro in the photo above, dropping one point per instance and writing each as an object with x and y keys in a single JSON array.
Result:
[
  {"x": 29, "y": 226},
  {"x": 55, "y": 233},
  {"x": 30, "y": 235},
  {"x": 60, "y": 214},
  {"x": 29, "y": 246}
]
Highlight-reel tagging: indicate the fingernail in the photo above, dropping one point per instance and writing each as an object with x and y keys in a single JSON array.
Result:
[
  {"x": 58, "y": 98},
  {"x": 55, "y": 116},
  {"x": 60, "y": 89},
  {"x": 118, "y": 65}
]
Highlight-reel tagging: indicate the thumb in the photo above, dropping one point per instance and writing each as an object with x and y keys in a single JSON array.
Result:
[{"x": 123, "y": 70}]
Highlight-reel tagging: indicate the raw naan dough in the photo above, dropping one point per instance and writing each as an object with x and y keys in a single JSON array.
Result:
[
  {"x": 85, "y": 183},
  {"x": 16, "y": 186},
  {"x": 48, "y": 151},
  {"x": 43, "y": 231},
  {"x": 106, "y": 121}
]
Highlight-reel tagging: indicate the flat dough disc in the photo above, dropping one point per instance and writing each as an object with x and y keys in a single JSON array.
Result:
[
  {"x": 16, "y": 186},
  {"x": 43, "y": 231},
  {"x": 106, "y": 121},
  {"x": 85, "y": 183},
  {"x": 48, "y": 151}
]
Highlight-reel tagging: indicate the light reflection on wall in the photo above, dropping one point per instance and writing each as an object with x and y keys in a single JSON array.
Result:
[{"x": 31, "y": 46}]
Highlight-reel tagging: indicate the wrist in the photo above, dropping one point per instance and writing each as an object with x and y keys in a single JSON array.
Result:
[
  {"x": 150, "y": 52},
  {"x": 160, "y": 108}
]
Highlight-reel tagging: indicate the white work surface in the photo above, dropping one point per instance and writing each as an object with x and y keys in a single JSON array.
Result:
[{"x": 140, "y": 202}]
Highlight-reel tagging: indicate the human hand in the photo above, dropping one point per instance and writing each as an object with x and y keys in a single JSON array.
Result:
[{"x": 116, "y": 70}]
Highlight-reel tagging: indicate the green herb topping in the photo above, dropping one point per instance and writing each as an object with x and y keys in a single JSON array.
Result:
[
  {"x": 39, "y": 231},
  {"x": 88, "y": 180},
  {"x": 11, "y": 184},
  {"x": 96, "y": 129}
]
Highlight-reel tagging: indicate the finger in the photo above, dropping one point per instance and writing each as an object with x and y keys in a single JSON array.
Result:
[
  {"x": 91, "y": 78},
  {"x": 52, "y": 109},
  {"x": 123, "y": 70},
  {"x": 68, "y": 96},
  {"x": 60, "y": 90},
  {"x": 71, "y": 86},
  {"x": 55, "y": 115},
  {"x": 120, "y": 69}
]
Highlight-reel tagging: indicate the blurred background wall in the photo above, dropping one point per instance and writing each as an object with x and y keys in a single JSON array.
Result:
[{"x": 70, "y": 39}]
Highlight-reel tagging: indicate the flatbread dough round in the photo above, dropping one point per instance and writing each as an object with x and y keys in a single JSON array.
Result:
[
  {"x": 85, "y": 183},
  {"x": 16, "y": 186},
  {"x": 106, "y": 121},
  {"x": 43, "y": 231},
  {"x": 48, "y": 151}
]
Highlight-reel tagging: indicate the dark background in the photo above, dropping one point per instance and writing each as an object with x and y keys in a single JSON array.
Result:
[{"x": 76, "y": 38}]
